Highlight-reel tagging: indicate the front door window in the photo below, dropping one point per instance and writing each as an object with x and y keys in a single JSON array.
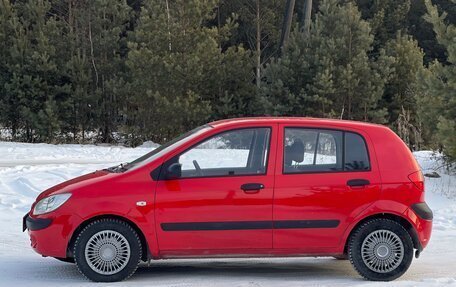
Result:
[{"x": 236, "y": 152}]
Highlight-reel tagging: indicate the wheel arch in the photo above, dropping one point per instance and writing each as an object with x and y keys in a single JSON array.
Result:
[
  {"x": 144, "y": 244},
  {"x": 397, "y": 218}
]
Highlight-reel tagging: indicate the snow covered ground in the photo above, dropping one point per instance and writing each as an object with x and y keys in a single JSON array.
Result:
[{"x": 27, "y": 169}]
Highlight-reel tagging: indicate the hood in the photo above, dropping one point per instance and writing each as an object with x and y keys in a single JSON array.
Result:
[{"x": 59, "y": 188}]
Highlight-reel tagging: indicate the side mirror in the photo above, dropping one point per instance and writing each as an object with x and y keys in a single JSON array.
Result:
[{"x": 174, "y": 171}]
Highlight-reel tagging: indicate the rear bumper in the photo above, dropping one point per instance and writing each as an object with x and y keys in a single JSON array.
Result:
[
  {"x": 423, "y": 211},
  {"x": 423, "y": 227}
]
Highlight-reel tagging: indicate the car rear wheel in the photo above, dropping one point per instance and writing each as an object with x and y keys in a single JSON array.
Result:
[
  {"x": 380, "y": 250},
  {"x": 107, "y": 250}
]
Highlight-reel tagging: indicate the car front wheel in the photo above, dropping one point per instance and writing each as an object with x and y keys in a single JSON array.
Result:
[
  {"x": 107, "y": 250},
  {"x": 380, "y": 250}
]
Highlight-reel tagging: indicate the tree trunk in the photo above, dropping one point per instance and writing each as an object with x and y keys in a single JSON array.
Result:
[
  {"x": 307, "y": 17},
  {"x": 169, "y": 30},
  {"x": 92, "y": 53},
  {"x": 287, "y": 20},
  {"x": 258, "y": 44}
]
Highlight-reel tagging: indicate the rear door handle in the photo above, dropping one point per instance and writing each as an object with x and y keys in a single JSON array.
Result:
[
  {"x": 252, "y": 187},
  {"x": 358, "y": 182}
]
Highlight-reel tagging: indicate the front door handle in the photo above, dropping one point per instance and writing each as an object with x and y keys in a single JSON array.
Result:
[
  {"x": 358, "y": 182},
  {"x": 252, "y": 187}
]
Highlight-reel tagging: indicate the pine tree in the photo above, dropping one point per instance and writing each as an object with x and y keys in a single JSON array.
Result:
[
  {"x": 258, "y": 28},
  {"x": 423, "y": 31},
  {"x": 179, "y": 71},
  {"x": 158, "y": 68},
  {"x": 8, "y": 110},
  {"x": 402, "y": 88},
  {"x": 30, "y": 88},
  {"x": 234, "y": 93},
  {"x": 95, "y": 63},
  {"x": 438, "y": 102},
  {"x": 386, "y": 18},
  {"x": 329, "y": 72}
]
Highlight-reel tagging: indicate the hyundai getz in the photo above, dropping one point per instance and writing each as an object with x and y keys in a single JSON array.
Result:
[{"x": 249, "y": 187}]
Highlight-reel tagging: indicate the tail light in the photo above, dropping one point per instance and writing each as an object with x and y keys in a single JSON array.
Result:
[{"x": 417, "y": 179}]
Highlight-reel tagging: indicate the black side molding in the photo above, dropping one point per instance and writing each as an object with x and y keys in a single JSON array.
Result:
[
  {"x": 423, "y": 211},
  {"x": 35, "y": 223},
  {"x": 299, "y": 224},
  {"x": 248, "y": 225},
  {"x": 206, "y": 226}
]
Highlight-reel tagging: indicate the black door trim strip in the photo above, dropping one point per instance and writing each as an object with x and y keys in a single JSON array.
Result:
[
  {"x": 298, "y": 224},
  {"x": 248, "y": 225}
]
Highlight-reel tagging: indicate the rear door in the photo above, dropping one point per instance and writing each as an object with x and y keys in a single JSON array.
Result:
[
  {"x": 325, "y": 177},
  {"x": 222, "y": 202}
]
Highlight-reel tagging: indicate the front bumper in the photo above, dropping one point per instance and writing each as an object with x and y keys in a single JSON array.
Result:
[
  {"x": 49, "y": 235},
  {"x": 33, "y": 224}
]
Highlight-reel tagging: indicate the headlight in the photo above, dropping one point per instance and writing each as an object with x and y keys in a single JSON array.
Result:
[{"x": 50, "y": 203}]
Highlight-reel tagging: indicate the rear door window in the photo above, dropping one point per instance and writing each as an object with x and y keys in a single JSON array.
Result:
[
  {"x": 312, "y": 150},
  {"x": 321, "y": 150}
]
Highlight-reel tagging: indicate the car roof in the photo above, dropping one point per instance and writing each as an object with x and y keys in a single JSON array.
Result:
[{"x": 296, "y": 120}]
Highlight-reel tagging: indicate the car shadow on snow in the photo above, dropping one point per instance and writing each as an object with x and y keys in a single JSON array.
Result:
[
  {"x": 198, "y": 271},
  {"x": 261, "y": 269}
]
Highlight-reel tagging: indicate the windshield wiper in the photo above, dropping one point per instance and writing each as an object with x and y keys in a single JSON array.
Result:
[{"x": 120, "y": 168}]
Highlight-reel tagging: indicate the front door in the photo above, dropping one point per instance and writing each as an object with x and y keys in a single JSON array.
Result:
[
  {"x": 325, "y": 177},
  {"x": 222, "y": 200}
]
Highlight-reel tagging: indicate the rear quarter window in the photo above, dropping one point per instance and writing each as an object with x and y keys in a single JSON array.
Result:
[{"x": 356, "y": 156}]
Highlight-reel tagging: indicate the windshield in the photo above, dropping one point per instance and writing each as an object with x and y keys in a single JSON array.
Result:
[{"x": 148, "y": 157}]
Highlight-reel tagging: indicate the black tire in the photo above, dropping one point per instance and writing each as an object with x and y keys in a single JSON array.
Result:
[
  {"x": 108, "y": 225},
  {"x": 67, "y": 260},
  {"x": 356, "y": 241}
]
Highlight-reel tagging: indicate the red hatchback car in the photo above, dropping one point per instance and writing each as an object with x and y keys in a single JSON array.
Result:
[{"x": 251, "y": 187}]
